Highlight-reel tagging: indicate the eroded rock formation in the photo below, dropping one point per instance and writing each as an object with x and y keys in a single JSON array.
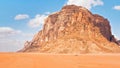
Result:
[
  {"x": 119, "y": 42},
  {"x": 74, "y": 30}
]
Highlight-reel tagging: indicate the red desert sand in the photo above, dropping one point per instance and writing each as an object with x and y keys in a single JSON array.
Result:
[{"x": 37, "y": 60}]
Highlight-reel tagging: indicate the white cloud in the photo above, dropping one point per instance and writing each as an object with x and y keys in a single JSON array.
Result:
[
  {"x": 21, "y": 16},
  {"x": 6, "y": 31},
  {"x": 117, "y": 36},
  {"x": 85, "y": 3},
  {"x": 12, "y": 40},
  {"x": 37, "y": 21},
  {"x": 117, "y": 7},
  {"x": 47, "y": 12}
]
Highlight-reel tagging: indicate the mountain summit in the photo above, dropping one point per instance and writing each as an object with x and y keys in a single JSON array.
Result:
[{"x": 74, "y": 30}]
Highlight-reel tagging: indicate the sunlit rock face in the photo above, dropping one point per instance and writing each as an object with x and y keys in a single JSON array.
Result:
[
  {"x": 74, "y": 30},
  {"x": 119, "y": 42}
]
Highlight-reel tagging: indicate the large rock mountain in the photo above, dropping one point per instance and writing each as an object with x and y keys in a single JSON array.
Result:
[
  {"x": 74, "y": 30},
  {"x": 118, "y": 42}
]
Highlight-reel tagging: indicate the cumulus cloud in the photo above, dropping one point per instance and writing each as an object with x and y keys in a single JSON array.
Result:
[
  {"x": 117, "y": 7},
  {"x": 21, "y": 16},
  {"x": 85, "y": 3},
  {"x": 6, "y": 31},
  {"x": 12, "y": 40},
  {"x": 47, "y": 13},
  {"x": 37, "y": 21}
]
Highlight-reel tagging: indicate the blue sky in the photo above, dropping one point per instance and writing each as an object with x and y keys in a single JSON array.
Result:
[{"x": 21, "y": 19}]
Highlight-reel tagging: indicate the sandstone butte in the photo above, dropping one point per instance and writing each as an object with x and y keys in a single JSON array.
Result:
[
  {"x": 119, "y": 42},
  {"x": 73, "y": 30}
]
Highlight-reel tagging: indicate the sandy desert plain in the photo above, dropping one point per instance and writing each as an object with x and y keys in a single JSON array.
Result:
[{"x": 38, "y": 60}]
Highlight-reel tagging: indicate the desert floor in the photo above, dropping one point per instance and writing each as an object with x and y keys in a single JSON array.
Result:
[{"x": 37, "y": 60}]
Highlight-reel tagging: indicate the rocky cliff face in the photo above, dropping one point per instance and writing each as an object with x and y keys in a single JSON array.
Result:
[
  {"x": 119, "y": 42},
  {"x": 74, "y": 29}
]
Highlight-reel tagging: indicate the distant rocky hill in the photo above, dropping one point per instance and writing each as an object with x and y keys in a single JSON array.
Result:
[
  {"x": 119, "y": 42},
  {"x": 74, "y": 30}
]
